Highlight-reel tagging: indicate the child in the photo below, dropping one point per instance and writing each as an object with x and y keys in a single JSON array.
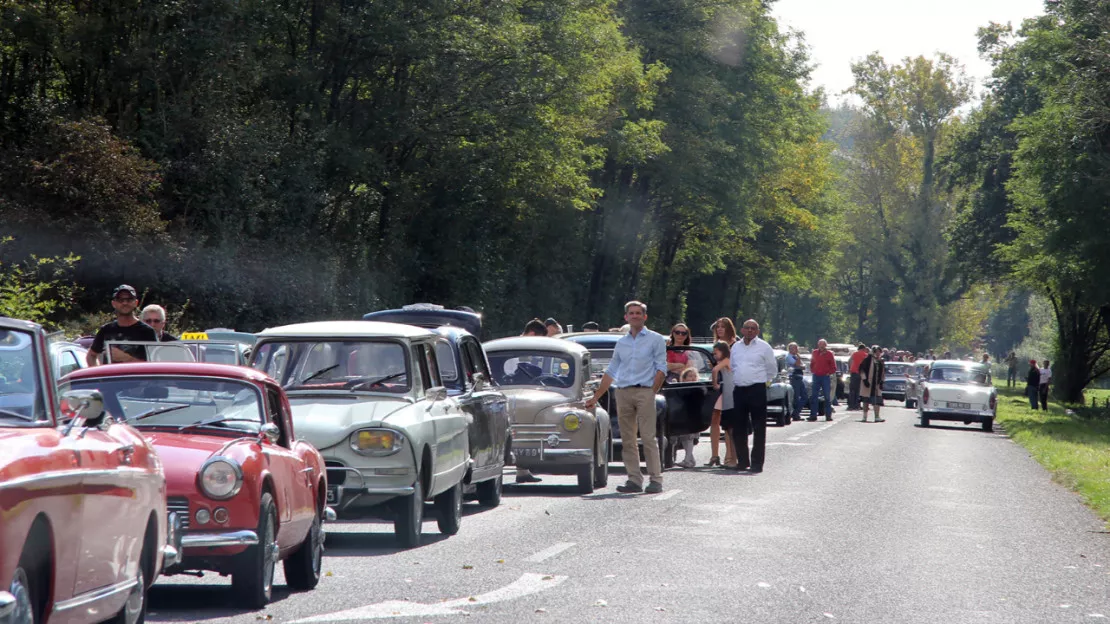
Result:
[
  {"x": 722, "y": 371},
  {"x": 689, "y": 374}
]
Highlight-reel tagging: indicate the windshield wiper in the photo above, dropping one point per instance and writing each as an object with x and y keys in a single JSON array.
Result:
[
  {"x": 215, "y": 421},
  {"x": 313, "y": 376},
  {"x": 155, "y": 412},
  {"x": 4, "y": 412},
  {"x": 356, "y": 383}
]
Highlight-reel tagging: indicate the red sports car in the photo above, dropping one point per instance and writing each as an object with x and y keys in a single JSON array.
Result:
[
  {"x": 253, "y": 494},
  {"x": 83, "y": 521}
]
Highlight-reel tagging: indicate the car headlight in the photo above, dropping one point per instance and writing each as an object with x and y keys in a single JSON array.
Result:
[
  {"x": 220, "y": 478},
  {"x": 376, "y": 441},
  {"x": 571, "y": 422}
]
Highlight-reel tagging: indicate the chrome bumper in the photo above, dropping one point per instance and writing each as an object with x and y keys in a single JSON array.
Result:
[
  {"x": 217, "y": 540},
  {"x": 951, "y": 411},
  {"x": 172, "y": 550},
  {"x": 774, "y": 409},
  {"x": 7, "y": 605}
]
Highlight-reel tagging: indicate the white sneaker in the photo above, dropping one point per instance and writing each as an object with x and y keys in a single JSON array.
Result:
[{"x": 688, "y": 462}]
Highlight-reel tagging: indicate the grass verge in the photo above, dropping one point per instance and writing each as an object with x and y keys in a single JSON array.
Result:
[{"x": 1075, "y": 449}]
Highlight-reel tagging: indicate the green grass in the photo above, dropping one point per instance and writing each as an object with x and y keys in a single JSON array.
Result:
[{"x": 1074, "y": 448}]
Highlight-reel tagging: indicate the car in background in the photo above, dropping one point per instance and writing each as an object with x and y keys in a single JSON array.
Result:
[
  {"x": 85, "y": 529},
  {"x": 918, "y": 374},
  {"x": 896, "y": 379},
  {"x": 250, "y": 494},
  {"x": 67, "y": 357},
  {"x": 960, "y": 391},
  {"x": 369, "y": 396},
  {"x": 680, "y": 408},
  {"x": 548, "y": 381},
  {"x": 843, "y": 376},
  {"x": 465, "y": 372}
]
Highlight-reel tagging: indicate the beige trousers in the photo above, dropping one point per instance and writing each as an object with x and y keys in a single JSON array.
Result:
[{"x": 636, "y": 417}]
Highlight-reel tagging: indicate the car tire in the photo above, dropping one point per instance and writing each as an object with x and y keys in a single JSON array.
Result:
[
  {"x": 782, "y": 419},
  {"x": 27, "y": 593},
  {"x": 252, "y": 582},
  {"x": 909, "y": 403},
  {"x": 302, "y": 568},
  {"x": 601, "y": 476},
  {"x": 489, "y": 492},
  {"x": 924, "y": 419},
  {"x": 988, "y": 424},
  {"x": 448, "y": 506},
  {"x": 667, "y": 452},
  {"x": 134, "y": 610},
  {"x": 586, "y": 474},
  {"x": 409, "y": 519}
]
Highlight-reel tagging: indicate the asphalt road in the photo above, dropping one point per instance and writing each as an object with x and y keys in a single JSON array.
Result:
[{"x": 849, "y": 522}]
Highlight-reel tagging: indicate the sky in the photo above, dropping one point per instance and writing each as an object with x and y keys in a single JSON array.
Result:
[{"x": 840, "y": 32}]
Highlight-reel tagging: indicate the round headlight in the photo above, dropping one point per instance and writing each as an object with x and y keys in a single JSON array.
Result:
[
  {"x": 220, "y": 478},
  {"x": 571, "y": 422}
]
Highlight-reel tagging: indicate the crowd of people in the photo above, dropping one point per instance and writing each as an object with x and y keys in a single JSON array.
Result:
[{"x": 129, "y": 325}]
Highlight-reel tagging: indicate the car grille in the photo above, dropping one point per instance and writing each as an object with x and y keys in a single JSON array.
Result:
[
  {"x": 895, "y": 385},
  {"x": 337, "y": 476},
  {"x": 535, "y": 433},
  {"x": 179, "y": 504}
]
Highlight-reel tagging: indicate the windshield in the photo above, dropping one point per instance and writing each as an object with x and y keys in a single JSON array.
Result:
[
  {"x": 901, "y": 370},
  {"x": 532, "y": 368},
  {"x": 975, "y": 376},
  {"x": 352, "y": 365},
  {"x": 179, "y": 401},
  {"x": 20, "y": 389}
]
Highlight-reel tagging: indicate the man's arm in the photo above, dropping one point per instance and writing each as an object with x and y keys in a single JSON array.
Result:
[
  {"x": 659, "y": 358},
  {"x": 606, "y": 381},
  {"x": 92, "y": 358},
  {"x": 120, "y": 356}
]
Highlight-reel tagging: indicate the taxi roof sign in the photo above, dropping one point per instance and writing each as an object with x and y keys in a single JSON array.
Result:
[{"x": 194, "y": 335}]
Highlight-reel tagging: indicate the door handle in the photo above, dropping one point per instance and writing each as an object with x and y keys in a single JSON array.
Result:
[{"x": 126, "y": 451}]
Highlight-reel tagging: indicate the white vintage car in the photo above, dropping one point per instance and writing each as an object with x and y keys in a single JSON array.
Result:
[
  {"x": 958, "y": 391},
  {"x": 368, "y": 395},
  {"x": 548, "y": 381}
]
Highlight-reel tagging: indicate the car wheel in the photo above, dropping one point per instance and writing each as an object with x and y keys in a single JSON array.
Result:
[
  {"x": 988, "y": 424},
  {"x": 909, "y": 403},
  {"x": 302, "y": 568},
  {"x": 449, "y": 509},
  {"x": 134, "y": 610},
  {"x": 253, "y": 580},
  {"x": 782, "y": 419},
  {"x": 26, "y": 597},
  {"x": 924, "y": 419},
  {"x": 586, "y": 474},
  {"x": 489, "y": 492},
  {"x": 666, "y": 452},
  {"x": 407, "y": 524},
  {"x": 601, "y": 476}
]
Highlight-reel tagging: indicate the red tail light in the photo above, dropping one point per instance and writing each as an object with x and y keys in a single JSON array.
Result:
[
  {"x": 994, "y": 401},
  {"x": 925, "y": 397}
]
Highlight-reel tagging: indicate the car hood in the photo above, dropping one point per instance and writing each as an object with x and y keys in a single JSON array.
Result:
[
  {"x": 526, "y": 404},
  {"x": 183, "y": 454},
  {"x": 325, "y": 422}
]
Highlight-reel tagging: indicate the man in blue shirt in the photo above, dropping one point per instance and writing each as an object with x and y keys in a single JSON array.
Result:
[{"x": 637, "y": 371}]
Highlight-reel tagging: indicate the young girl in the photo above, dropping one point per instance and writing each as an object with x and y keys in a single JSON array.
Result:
[
  {"x": 687, "y": 441},
  {"x": 722, "y": 372}
]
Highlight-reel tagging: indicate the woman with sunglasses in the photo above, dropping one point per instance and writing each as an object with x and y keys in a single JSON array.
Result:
[{"x": 677, "y": 361}]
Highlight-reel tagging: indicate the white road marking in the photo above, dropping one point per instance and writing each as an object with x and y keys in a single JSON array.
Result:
[
  {"x": 527, "y": 584},
  {"x": 789, "y": 443},
  {"x": 548, "y": 553},
  {"x": 817, "y": 430},
  {"x": 666, "y": 495}
]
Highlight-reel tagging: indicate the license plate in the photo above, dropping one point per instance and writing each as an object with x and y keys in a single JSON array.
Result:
[
  {"x": 955, "y": 405},
  {"x": 528, "y": 452},
  {"x": 333, "y": 494}
]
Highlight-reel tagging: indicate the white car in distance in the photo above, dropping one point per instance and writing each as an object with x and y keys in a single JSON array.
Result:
[{"x": 958, "y": 391}]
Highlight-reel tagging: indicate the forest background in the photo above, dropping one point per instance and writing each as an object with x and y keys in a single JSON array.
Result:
[{"x": 249, "y": 163}]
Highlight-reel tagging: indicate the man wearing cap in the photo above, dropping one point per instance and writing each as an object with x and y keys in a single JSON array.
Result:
[
  {"x": 126, "y": 328},
  {"x": 553, "y": 327},
  {"x": 589, "y": 326}
]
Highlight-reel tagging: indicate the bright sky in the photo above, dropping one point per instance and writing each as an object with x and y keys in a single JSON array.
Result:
[{"x": 840, "y": 32}]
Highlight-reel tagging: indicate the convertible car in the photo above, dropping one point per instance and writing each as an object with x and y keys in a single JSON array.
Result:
[
  {"x": 84, "y": 528},
  {"x": 958, "y": 391},
  {"x": 249, "y": 493}
]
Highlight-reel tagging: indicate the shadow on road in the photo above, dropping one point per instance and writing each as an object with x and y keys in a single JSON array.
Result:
[
  {"x": 180, "y": 603},
  {"x": 375, "y": 544},
  {"x": 973, "y": 428}
]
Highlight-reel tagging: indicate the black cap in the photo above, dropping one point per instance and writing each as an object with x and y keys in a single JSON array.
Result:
[
  {"x": 551, "y": 321},
  {"x": 125, "y": 288},
  {"x": 589, "y": 325}
]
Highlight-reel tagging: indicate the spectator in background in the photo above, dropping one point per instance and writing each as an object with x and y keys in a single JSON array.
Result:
[
  {"x": 126, "y": 328},
  {"x": 155, "y": 316},
  {"x": 947, "y": 355},
  {"x": 932, "y": 356},
  {"x": 553, "y": 327},
  {"x": 677, "y": 361},
  {"x": 797, "y": 368},
  {"x": 753, "y": 367},
  {"x": 986, "y": 359},
  {"x": 1045, "y": 379},
  {"x": 589, "y": 326},
  {"x": 853, "y": 380},
  {"x": 822, "y": 366},
  {"x": 1011, "y": 370},
  {"x": 1033, "y": 383},
  {"x": 872, "y": 375},
  {"x": 722, "y": 380}
]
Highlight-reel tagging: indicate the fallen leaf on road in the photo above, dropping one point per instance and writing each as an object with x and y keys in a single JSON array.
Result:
[
  {"x": 467, "y": 566},
  {"x": 328, "y": 574},
  {"x": 547, "y": 512},
  {"x": 601, "y": 603},
  {"x": 541, "y": 610},
  {"x": 660, "y": 608},
  {"x": 548, "y": 578},
  {"x": 500, "y": 561},
  {"x": 472, "y": 599}
]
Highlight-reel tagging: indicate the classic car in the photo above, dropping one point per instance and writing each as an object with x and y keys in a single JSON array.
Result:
[
  {"x": 896, "y": 379},
  {"x": 85, "y": 530},
  {"x": 66, "y": 357},
  {"x": 917, "y": 374},
  {"x": 465, "y": 372},
  {"x": 548, "y": 381},
  {"x": 958, "y": 391},
  {"x": 249, "y": 493},
  {"x": 843, "y": 376},
  {"x": 681, "y": 408},
  {"x": 370, "y": 397},
  {"x": 195, "y": 347}
]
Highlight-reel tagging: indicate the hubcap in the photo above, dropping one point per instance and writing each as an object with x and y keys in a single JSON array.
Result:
[
  {"x": 134, "y": 606},
  {"x": 21, "y": 590}
]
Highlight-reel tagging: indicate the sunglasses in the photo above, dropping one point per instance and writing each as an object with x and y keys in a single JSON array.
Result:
[{"x": 679, "y": 332}]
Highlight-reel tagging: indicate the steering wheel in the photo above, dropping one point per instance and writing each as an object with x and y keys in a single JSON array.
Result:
[{"x": 557, "y": 381}]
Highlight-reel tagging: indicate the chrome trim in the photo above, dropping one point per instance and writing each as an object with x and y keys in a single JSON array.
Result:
[
  {"x": 216, "y": 540},
  {"x": 957, "y": 412},
  {"x": 569, "y": 452},
  {"x": 525, "y": 426},
  {"x": 329, "y": 514},
  {"x": 171, "y": 550},
  {"x": 62, "y": 475},
  {"x": 399, "y": 491},
  {"x": 7, "y": 605},
  {"x": 96, "y": 595},
  {"x": 234, "y": 466}
]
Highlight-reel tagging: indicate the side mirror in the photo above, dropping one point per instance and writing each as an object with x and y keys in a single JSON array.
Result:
[
  {"x": 88, "y": 405},
  {"x": 271, "y": 432},
  {"x": 438, "y": 393},
  {"x": 479, "y": 381}
]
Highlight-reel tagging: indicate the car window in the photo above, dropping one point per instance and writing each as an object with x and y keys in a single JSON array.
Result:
[
  {"x": 445, "y": 357},
  {"x": 431, "y": 373},
  {"x": 698, "y": 366},
  {"x": 67, "y": 363},
  {"x": 20, "y": 389},
  {"x": 476, "y": 357},
  {"x": 897, "y": 369},
  {"x": 351, "y": 365},
  {"x": 179, "y": 401},
  {"x": 959, "y": 375},
  {"x": 599, "y": 361},
  {"x": 532, "y": 368},
  {"x": 277, "y": 414}
]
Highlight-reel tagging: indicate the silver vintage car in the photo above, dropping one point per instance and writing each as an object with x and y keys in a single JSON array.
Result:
[
  {"x": 548, "y": 381},
  {"x": 369, "y": 396}
]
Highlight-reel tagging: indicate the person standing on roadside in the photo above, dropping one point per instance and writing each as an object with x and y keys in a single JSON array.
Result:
[
  {"x": 722, "y": 381},
  {"x": 637, "y": 371},
  {"x": 677, "y": 361},
  {"x": 126, "y": 328},
  {"x": 155, "y": 316},
  {"x": 589, "y": 326},
  {"x": 822, "y": 365},
  {"x": 1033, "y": 383},
  {"x": 872, "y": 374},
  {"x": 853, "y": 380},
  {"x": 753, "y": 368},
  {"x": 797, "y": 368},
  {"x": 1045, "y": 380},
  {"x": 1011, "y": 370},
  {"x": 553, "y": 327}
]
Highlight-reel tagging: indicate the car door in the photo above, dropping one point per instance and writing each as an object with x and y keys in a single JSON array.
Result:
[
  {"x": 490, "y": 435},
  {"x": 292, "y": 481},
  {"x": 449, "y": 426},
  {"x": 109, "y": 508},
  {"x": 690, "y": 403}
]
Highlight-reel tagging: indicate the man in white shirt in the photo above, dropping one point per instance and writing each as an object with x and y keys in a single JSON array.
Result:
[
  {"x": 1046, "y": 377},
  {"x": 753, "y": 367}
]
